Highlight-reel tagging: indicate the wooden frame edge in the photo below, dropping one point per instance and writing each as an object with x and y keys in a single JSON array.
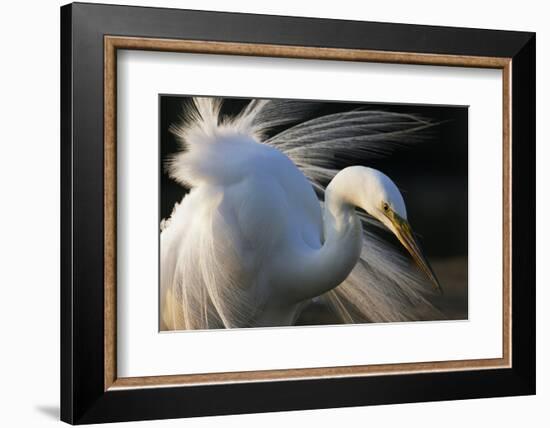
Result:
[
  {"x": 301, "y": 52},
  {"x": 300, "y": 374},
  {"x": 109, "y": 197},
  {"x": 112, "y": 43},
  {"x": 507, "y": 213}
]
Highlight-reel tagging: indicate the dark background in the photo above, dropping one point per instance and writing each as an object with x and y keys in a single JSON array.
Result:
[{"x": 432, "y": 176}]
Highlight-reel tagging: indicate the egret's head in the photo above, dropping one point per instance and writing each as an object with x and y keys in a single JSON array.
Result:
[{"x": 381, "y": 199}]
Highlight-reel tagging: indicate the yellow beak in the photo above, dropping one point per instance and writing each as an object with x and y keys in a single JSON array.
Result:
[{"x": 404, "y": 234}]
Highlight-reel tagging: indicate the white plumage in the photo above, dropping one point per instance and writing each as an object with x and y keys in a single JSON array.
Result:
[{"x": 252, "y": 243}]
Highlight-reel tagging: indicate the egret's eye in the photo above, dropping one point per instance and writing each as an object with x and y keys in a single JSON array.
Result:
[{"x": 386, "y": 207}]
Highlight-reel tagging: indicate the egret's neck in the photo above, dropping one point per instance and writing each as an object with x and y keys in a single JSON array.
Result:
[{"x": 327, "y": 267}]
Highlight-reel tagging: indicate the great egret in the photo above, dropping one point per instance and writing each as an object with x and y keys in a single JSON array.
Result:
[{"x": 252, "y": 243}]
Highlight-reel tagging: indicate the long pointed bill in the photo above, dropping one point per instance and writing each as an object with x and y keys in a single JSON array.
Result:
[{"x": 404, "y": 234}]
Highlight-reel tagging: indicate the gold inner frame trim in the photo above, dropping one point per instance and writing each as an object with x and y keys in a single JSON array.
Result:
[{"x": 113, "y": 43}]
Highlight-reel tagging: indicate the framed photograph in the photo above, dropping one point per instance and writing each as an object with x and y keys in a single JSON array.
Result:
[{"x": 265, "y": 213}]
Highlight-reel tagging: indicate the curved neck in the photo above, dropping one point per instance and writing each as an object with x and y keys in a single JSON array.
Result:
[{"x": 325, "y": 268}]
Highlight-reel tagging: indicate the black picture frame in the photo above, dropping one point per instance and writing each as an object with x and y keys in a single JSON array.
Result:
[{"x": 83, "y": 396}]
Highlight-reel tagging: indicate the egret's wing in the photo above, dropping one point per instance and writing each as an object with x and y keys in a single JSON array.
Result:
[
  {"x": 211, "y": 243},
  {"x": 384, "y": 286},
  {"x": 205, "y": 279},
  {"x": 318, "y": 144},
  {"x": 266, "y": 115}
]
